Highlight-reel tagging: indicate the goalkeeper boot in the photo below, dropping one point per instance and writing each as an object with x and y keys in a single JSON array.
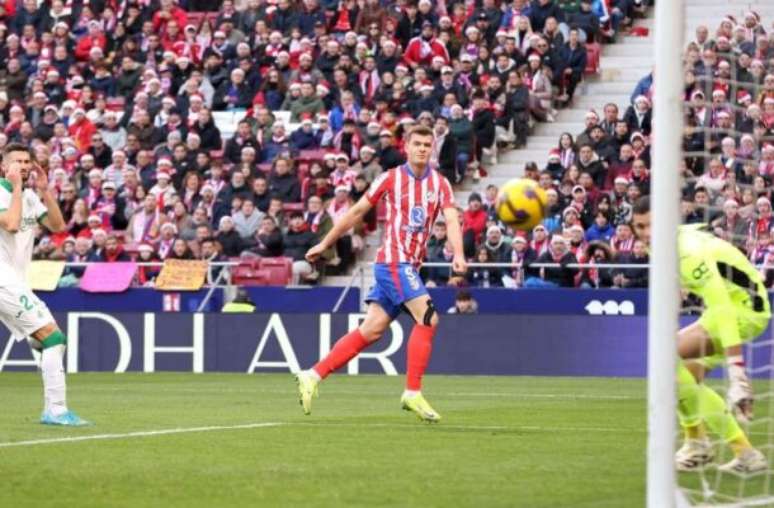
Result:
[
  {"x": 694, "y": 455},
  {"x": 747, "y": 462},
  {"x": 420, "y": 407},
  {"x": 67, "y": 419},
  {"x": 307, "y": 388}
]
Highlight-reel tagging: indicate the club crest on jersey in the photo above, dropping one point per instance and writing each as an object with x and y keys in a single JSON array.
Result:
[
  {"x": 417, "y": 218},
  {"x": 430, "y": 196}
]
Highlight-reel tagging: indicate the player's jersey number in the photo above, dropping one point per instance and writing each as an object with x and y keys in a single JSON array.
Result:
[{"x": 700, "y": 271}]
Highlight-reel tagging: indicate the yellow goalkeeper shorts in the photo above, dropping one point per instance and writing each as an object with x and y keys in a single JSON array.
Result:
[{"x": 750, "y": 323}]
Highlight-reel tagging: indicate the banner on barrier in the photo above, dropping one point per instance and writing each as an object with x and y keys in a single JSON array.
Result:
[
  {"x": 181, "y": 275},
  {"x": 108, "y": 277},
  {"x": 475, "y": 345},
  {"x": 44, "y": 275}
]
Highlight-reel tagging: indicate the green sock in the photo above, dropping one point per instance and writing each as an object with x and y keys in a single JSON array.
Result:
[
  {"x": 54, "y": 339},
  {"x": 688, "y": 398},
  {"x": 719, "y": 420}
]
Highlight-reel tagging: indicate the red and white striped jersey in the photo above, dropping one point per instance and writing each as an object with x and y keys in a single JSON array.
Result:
[{"x": 413, "y": 204}]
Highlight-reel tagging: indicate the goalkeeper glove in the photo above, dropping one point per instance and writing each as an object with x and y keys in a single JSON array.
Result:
[{"x": 740, "y": 392}]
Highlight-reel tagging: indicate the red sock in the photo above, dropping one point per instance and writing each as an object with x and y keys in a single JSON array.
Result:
[
  {"x": 420, "y": 345},
  {"x": 345, "y": 349}
]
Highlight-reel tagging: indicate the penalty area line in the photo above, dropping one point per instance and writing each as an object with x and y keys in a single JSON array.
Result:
[
  {"x": 318, "y": 424},
  {"x": 128, "y": 435}
]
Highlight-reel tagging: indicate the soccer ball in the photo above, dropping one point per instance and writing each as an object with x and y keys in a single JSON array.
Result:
[{"x": 521, "y": 203}]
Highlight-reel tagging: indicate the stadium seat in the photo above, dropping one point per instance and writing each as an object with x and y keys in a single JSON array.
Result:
[
  {"x": 280, "y": 270},
  {"x": 115, "y": 103},
  {"x": 293, "y": 207},
  {"x": 309, "y": 156},
  {"x": 249, "y": 275},
  {"x": 593, "y": 54},
  {"x": 195, "y": 18}
]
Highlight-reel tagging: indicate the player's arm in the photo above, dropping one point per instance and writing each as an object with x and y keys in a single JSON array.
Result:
[
  {"x": 10, "y": 214},
  {"x": 454, "y": 234},
  {"x": 53, "y": 219},
  {"x": 353, "y": 216},
  {"x": 52, "y": 216}
]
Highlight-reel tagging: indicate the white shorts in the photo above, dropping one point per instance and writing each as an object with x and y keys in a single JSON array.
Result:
[{"x": 21, "y": 311}]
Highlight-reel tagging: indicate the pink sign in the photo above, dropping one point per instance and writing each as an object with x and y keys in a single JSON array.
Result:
[{"x": 108, "y": 277}]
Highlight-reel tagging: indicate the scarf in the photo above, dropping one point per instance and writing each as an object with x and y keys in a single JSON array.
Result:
[
  {"x": 567, "y": 157},
  {"x": 313, "y": 220},
  {"x": 369, "y": 82}
]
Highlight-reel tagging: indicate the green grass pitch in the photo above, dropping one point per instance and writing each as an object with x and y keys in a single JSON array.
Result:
[{"x": 504, "y": 441}]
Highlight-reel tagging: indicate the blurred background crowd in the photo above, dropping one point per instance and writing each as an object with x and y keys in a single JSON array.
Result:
[{"x": 244, "y": 130}]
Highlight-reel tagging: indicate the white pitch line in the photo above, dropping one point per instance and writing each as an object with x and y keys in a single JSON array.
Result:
[
  {"x": 163, "y": 432},
  {"x": 442, "y": 426},
  {"x": 440, "y": 394},
  {"x": 319, "y": 424}
]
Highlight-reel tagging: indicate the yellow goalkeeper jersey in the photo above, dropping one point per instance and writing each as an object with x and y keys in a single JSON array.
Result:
[{"x": 723, "y": 277}]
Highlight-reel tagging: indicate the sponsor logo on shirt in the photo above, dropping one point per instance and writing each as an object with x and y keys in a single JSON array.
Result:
[{"x": 417, "y": 218}]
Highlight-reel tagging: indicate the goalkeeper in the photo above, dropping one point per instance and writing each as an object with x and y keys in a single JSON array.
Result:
[{"x": 736, "y": 311}]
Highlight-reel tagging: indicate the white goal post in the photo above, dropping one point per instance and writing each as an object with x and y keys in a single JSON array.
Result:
[{"x": 663, "y": 296}]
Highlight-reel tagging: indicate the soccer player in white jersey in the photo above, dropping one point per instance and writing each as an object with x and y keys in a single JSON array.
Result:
[
  {"x": 415, "y": 194},
  {"x": 23, "y": 313}
]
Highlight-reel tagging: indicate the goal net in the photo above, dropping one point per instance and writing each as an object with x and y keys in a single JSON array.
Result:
[{"x": 726, "y": 179}]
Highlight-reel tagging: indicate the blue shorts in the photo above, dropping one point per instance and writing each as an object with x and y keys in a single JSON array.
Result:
[{"x": 394, "y": 285}]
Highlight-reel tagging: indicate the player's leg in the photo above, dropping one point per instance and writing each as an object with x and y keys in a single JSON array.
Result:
[
  {"x": 420, "y": 343},
  {"x": 697, "y": 449},
  {"x": 370, "y": 330},
  {"x": 53, "y": 343},
  {"x": 418, "y": 350},
  {"x": 347, "y": 347},
  {"x": 25, "y": 313},
  {"x": 699, "y": 405}
]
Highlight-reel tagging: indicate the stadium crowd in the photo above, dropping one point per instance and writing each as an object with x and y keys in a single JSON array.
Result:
[
  {"x": 593, "y": 177},
  {"x": 122, "y": 102}
]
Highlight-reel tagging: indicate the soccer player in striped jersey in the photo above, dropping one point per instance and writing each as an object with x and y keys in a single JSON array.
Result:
[
  {"x": 23, "y": 313},
  {"x": 415, "y": 194},
  {"x": 736, "y": 310}
]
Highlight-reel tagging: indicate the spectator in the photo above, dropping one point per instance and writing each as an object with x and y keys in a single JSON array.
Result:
[
  {"x": 297, "y": 241},
  {"x": 597, "y": 254},
  {"x": 499, "y": 250},
  {"x": 283, "y": 182},
  {"x": 574, "y": 56},
  {"x": 558, "y": 253},
  {"x": 464, "y": 303},
  {"x": 228, "y": 237},
  {"x": 111, "y": 207},
  {"x": 248, "y": 220},
  {"x": 473, "y": 223},
  {"x": 113, "y": 251},
  {"x": 268, "y": 239},
  {"x": 307, "y": 104},
  {"x": 445, "y": 151},
  {"x": 144, "y": 224},
  {"x": 485, "y": 276},
  {"x": 82, "y": 254},
  {"x": 180, "y": 250},
  {"x": 601, "y": 230},
  {"x": 632, "y": 277}
]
